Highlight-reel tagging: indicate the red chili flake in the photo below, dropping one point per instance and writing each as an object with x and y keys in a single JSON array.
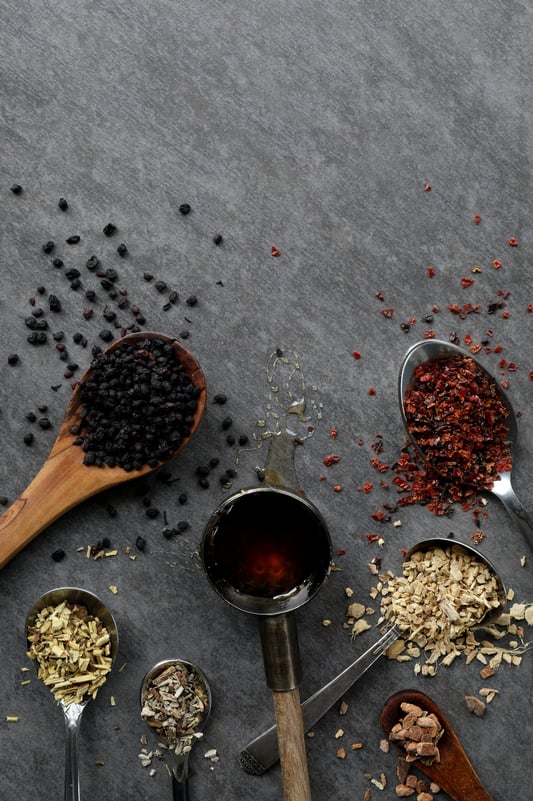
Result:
[
  {"x": 380, "y": 297},
  {"x": 435, "y": 309},
  {"x": 412, "y": 320},
  {"x": 490, "y": 332},
  {"x": 506, "y": 315},
  {"x": 512, "y": 241},
  {"x": 459, "y": 421},
  {"x": 371, "y": 391},
  {"x": 431, "y": 271},
  {"x": 429, "y": 334},
  {"x": 331, "y": 459},
  {"x": 476, "y": 348},
  {"x": 322, "y": 478},
  {"x": 381, "y": 467},
  {"x": 337, "y": 488},
  {"x": 498, "y": 349},
  {"x": 275, "y": 251},
  {"x": 366, "y": 488},
  {"x": 502, "y": 363},
  {"x": 341, "y": 551},
  {"x": 496, "y": 264},
  {"x": 466, "y": 282},
  {"x": 468, "y": 339},
  {"x": 530, "y": 308},
  {"x": 387, "y": 312},
  {"x": 333, "y": 433},
  {"x": 531, "y": 375},
  {"x": 427, "y": 187},
  {"x": 356, "y": 355},
  {"x": 512, "y": 367},
  {"x": 372, "y": 537},
  {"x": 477, "y": 219},
  {"x": 505, "y": 383}
]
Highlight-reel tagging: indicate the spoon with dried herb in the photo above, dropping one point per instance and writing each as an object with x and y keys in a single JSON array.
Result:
[
  {"x": 135, "y": 408},
  {"x": 72, "y": 640},
  {"x": 176, "y": 703}
]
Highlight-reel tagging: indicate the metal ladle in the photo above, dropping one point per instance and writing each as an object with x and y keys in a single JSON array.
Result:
[
  {"x": 73, "y": 712},
  {"x": 63, "y": 480},
  {"x": 267, "y": 551},
  {"x": 261, "y": 753},
  {"x": 427, "y": 350},
  {"x": 179, "y": 762}
]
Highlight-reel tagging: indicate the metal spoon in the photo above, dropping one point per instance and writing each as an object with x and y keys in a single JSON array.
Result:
[
  {"x": 179, "y": 762},
  {"x": 73, "y": 712},
  {"x": 261, "y": 753},
  {"x": 427, "y": 350},
  {"x": 454, "y": 773},
  {"x": 64, "y": 481}
]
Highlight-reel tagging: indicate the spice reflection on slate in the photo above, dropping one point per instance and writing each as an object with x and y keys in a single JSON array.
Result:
[
  {"x": 137, "y": 406},
  {"x": 458, "y": 418}
]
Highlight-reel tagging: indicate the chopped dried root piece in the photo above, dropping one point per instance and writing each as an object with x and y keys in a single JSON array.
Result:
[{"x": 475, "y": 705}]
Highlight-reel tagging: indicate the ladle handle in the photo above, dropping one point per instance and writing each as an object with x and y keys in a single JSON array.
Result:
[{"x": 291, "y": 744}]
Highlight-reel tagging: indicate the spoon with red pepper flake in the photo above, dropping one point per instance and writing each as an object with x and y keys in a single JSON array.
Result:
[
  {"x": 94, "y": 440},
  {"x": 462, "y": 423}
]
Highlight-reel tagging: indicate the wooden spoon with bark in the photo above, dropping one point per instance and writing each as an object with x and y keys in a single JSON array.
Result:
[
  {"x": 64, "y": 480},
  {"x": 454, "y": 772}
]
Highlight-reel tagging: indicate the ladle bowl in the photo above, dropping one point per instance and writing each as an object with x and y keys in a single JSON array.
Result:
[
  {"x": 262, "y": 753},
  {"x": 454, "y": 773},
  {"x": 179, "y": 762},
  {"x": 428, "y": 350},
  {"x": 64, "y": 481},
  {"x": 73, "y": 712}
]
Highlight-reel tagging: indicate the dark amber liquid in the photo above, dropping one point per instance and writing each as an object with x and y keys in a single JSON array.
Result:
[{"x": 269, "y": 545}]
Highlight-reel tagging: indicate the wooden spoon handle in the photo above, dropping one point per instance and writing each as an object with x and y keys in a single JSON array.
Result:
[
  {"x": 293, "y": 757},
  {"x": 58, "y": 486}
]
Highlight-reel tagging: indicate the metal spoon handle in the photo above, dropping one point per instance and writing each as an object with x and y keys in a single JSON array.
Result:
[
  {"x": 262, "y": 752},
  {"x": 504, "y": 491},
  {"x": 72, "y": 739},
  {"x": 180, "y": 789}
]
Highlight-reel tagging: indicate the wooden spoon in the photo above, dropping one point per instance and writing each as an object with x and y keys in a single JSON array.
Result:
[
  {"x": 64, "y": 481},
  {"x": 454, "y": 773}
]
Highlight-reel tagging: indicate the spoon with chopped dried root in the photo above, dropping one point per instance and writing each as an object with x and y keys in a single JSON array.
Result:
[
  {"x": 427, "y": 740},
  {"x": 137, "y": 405},
  {"x": 176, "y": 703},
  {"x": 72, "y": 640}
]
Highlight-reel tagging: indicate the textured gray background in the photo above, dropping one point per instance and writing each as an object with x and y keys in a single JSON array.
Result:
[{"x": 311, "y": 127}]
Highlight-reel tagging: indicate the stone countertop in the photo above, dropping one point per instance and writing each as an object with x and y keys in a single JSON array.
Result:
[{"x": 340, "y": 150}]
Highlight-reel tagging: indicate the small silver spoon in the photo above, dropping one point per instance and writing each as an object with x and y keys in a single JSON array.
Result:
[
  {"x": 261, "y": 753},
  {"x": 179, "y": 762},
  {"x": 425, "y": 351},
  {"x": 73, "y": 712}
]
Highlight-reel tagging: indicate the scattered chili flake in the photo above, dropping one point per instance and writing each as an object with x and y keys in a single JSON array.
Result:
[
  {"x": 366, "y": 488},
  {"x": 381, "y": 467},
  {"x": 387, "y": 312},
  {"x": 331, "y": 459},
  {"x": 477, "y": 219},
  {"x": 412, "y": 320},
  {"x": 371, "y": 391},
  {"x": 531, "y": 375},
  {"x": 476, "y": 348},
  {"x": 530, "y": 308},
  {"x": 427, "y": 187},
  {"x": 356, "y": 355},
  {"x": 466, "y": 282},
  {"x": 431, "y": 271},
  {"x": 372, "y": 537},
  {"x": 333, "y": 433},
  {"x": 458, "y": 418},
  {"x": 429, "y": 334},
  {"x": 512, "y": 241},
  {"x": 337, "y": 488},
  {"x": 341, "y": 551},
  {"x": 468, "y": 339},
  {"x": 506, "y": 315},
  {"x": 275, "y": 251},
  {"x": 380, "y": 297},
  {"x": 505, "y": 383},
  {"x": 496, "y": 264},
  {"x": 378, "y": 516}
]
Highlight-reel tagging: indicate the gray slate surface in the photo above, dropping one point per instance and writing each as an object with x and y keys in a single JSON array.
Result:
[{"x": 313, "y": 128}]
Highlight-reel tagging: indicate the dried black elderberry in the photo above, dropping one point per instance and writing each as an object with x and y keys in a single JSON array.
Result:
[{"x": 137, "y": 406}]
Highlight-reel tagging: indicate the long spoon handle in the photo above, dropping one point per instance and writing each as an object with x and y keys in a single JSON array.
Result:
[
  {"x": 72, "y": 740},
  {"x": 291, "y": 744},
  {"x": 510, "y": 500},
  {"x": 262, "y": 752}
]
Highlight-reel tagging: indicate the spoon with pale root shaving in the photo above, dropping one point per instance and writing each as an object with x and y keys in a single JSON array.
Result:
[
  {"x": 262, "y": 753},
  {"x": 179, "y": 691},
  {"x": 80, "y": 688},
  {"x": 64, "y": 480},
  {"x": 453, "y": 771},
  {"x": 425, "y": 352}
]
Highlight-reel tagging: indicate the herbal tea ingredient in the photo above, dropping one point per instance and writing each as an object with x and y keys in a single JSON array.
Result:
[
  {"x": 174, "y": 706},
  {"x": 138, "y": 406},
  {"x": 458, "y": 419},
  {"x": 72, "y": 650}
]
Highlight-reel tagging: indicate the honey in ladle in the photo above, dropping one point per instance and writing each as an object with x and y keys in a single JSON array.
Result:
[{"x": 269, "y": 545}]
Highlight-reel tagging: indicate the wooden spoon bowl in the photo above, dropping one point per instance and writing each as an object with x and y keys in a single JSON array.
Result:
[
  {"x": 64, "y": 480},
  {"x": 454, "y": 772}
]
